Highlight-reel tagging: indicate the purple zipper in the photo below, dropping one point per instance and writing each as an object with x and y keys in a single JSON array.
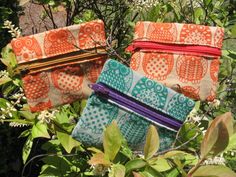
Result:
[{"x": 130, "y": 103}]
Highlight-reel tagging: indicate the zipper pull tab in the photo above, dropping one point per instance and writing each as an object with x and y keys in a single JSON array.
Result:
[
  {"x": 131, "y": 48},
  {"x": 99, "y": 88}
]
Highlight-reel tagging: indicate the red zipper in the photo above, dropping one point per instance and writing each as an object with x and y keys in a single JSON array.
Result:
[{"x": 174, "y": 48}]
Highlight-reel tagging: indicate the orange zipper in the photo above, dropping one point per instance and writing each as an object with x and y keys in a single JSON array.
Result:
[{"x": 59, "y": 61}]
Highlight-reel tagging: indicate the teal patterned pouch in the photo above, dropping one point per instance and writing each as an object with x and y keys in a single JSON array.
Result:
[{"x": 135, "y": 102}]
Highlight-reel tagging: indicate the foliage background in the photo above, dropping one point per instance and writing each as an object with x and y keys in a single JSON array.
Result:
[{"x": 48, "y": 150}]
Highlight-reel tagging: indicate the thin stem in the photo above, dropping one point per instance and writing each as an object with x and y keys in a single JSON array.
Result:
[
  {"x": 178, "y": 147},
  {"x": 196, "y": 167}
]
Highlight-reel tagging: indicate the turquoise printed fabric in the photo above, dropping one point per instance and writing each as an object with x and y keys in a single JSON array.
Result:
[{"x": 99, "y": 112}]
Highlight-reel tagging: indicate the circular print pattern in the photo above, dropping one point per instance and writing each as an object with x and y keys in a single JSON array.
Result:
[
  {"x": 59, "y": 42},
  {"x": 218, "y": 37},
  {"x": 139, "y": 30},
  {"x": 179, "y": 106},
  {"x": 214, "y": 68},
  {"x": 196, "y": 34},
  {"x": 94, "y": 69},
  {"x": 36, "y": 86},
  {"x": 68, "y": 79},
  {"x": 91, "y": 35},
  {"x": 134, "y": 128},
  {"x": 191, "y": 68},
  {"x": 135, "y": 61},
  {"x": 97, "y": 114},
  {"x": 157, "y": 65},
  {"x": 117, "y": 76},
  {"x": 190, "y": 92},
  {"x": 162, "y": 32},
  {"x": 26, "y": 48},
  {"x": 150, "y": 92}
]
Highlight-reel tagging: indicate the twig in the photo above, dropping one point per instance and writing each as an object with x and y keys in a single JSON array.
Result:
[
  {"x": 45, "y": 155},
  {"x": 178, "y": 147}
]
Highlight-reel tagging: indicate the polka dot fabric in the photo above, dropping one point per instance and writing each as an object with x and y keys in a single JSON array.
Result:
[
  {"x": 196, "y": 75},
  {"x": 59, "y": 84},
  {"x": 100, "y": 112}
]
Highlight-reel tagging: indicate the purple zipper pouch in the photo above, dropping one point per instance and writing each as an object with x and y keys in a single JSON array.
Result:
[{"x": 135, "y": 102}]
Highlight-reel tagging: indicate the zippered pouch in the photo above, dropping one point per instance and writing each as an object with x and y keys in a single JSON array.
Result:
[
  {"x": 57, "y": 65},
  {"x": 184, "y": 57},
  {"x": 135, "y": 102}
]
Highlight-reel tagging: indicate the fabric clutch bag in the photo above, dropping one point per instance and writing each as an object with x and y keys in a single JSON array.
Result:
[
  {"x": 134, "y": 101},
  {"x": 184, "y": 57},
  {"x": 57, "y": 65}
]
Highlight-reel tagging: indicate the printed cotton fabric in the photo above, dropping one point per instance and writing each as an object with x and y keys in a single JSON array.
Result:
[
  {"x": 193, "y": 75},
  {"x": 63, "y": 83},
  {"x": 99, "y": 112}
]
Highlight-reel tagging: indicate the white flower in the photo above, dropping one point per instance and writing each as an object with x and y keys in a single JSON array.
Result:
[
  {"x": 215, "y": 161},
  {"x": 143, "y": 4},
  {"x": 14, "y": 31},
  {"x": 7, "y": 111},
  {"x": 17, "y": 124},
  {"x": 46, "y": 116},
  {"x": 3, "y": 74}
]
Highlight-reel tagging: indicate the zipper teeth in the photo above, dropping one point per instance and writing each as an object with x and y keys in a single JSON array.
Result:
[
  {"x": 204, "y": 50},
  {"x": 51, "y": 63},
  {"x": 147, "y": 112}
]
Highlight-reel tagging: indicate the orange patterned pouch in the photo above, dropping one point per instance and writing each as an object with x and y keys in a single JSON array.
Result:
[
  {"x": 184, "y": 57},
  {"x": 57, "y": 65}
]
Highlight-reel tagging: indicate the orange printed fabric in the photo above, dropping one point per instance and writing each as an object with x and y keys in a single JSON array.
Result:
[
  {"x": 184, "y": 57},
  {"x": 63, "y": 82}
]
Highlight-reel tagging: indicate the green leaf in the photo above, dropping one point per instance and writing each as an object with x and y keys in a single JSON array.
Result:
[
  {"x": 198, "y": 13},
  {"x": 25, "y": 133},
  {"x": 40, "y": 130},
  {"x": 217, "y": 136},
  {"x": 232, "y": 143},
  {"x": 188, "y": 159},
  {"x": 207, "y": 2},
  {"x": 213, "y": 171},
  {"x": 27, "y": 114},
  {"x": 152, "y": 142},
  {"x": 67, "y": 141},
  {"x": 55, "y": 166},
  {"x": 160, "y": 164},
  {"x": 27, "y": 148},
  {"x": 117, "y": 170},
  {"x": 4, "y": 80},
  {"x": 112, "y": 140},
  {"x": 134, "y": 164},
  {"x": 149, "y": 171},
  {"x": 233, "y": 31},
  {"x": 99, "y": 158}
]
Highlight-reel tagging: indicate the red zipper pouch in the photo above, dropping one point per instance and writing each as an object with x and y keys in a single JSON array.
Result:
[{"x": 184, "y": 57}]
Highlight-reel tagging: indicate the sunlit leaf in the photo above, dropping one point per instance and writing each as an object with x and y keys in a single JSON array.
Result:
[
  {"x": 160, "y": 164},
  {"x": 99, "y": 158},
  {"x": 213, "y": 171},
  {"x": 117, "y": 170},
  {"x": 40, "y": 130},
  {"x": 134, "y": 164},
  {"x": 217, "y": 136},
  {"x": 27, "y": 148},
  {"x": 67, "y": 141},
  {"x": 112, "y": 140},
  {"x": 152, "y": 142},
  {"x": 188, "y": 159}
]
